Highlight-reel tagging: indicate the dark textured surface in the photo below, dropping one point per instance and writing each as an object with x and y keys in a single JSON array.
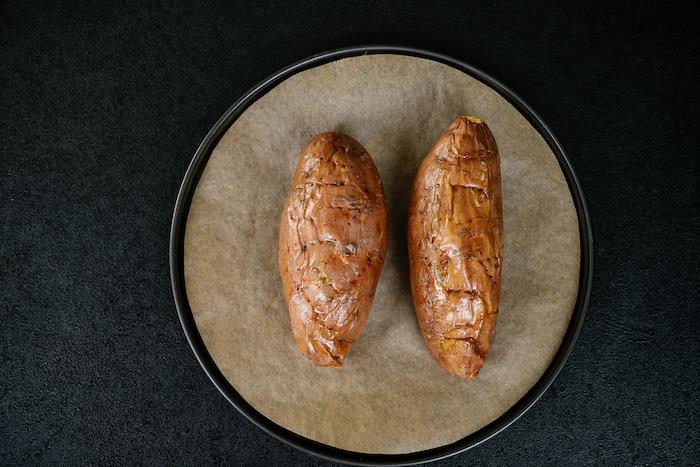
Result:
[{"x": 102, "y": 108}]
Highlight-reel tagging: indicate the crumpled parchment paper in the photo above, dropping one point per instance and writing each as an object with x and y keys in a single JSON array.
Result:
[{"x": 390, "y": 397}]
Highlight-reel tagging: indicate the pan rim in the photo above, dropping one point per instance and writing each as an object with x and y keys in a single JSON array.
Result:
[{"x": 176, "y": 259}]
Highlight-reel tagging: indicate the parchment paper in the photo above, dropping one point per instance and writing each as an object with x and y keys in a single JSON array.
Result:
[{"x": 390, "y": 397}]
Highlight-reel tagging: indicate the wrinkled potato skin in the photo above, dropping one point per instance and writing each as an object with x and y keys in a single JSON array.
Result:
[
  {"x": 455, "y": 243},
  {"x": 332, "y": 245}
]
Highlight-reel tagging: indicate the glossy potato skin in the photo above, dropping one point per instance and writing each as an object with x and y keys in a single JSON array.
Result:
[
  {"x": 332, "y": 245},
  {"x": 455, "y": 243}
]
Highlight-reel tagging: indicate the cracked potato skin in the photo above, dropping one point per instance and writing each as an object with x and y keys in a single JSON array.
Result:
[
  {"x": 455, "y": 244},
  {"x": 332, "y": 245}
]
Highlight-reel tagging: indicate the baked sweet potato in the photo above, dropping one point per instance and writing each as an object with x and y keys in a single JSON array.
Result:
[
  {"x": 455, "y": 244},
  {"x": 332, "y": 245}
]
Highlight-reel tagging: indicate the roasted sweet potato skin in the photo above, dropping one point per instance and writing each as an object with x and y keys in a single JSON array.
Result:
[
  {"x": 332, "y": 245},
  {"x": 455, "y": 246}
]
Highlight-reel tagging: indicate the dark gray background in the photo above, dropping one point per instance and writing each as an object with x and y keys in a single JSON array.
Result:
[{"x": 102, "y": 106}]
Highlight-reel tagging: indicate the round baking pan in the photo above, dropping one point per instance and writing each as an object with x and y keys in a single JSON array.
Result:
[{"x": 177, "y": 240}]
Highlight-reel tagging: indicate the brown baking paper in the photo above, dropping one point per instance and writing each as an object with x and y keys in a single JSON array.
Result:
[{"x": 391, "y": 396}]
